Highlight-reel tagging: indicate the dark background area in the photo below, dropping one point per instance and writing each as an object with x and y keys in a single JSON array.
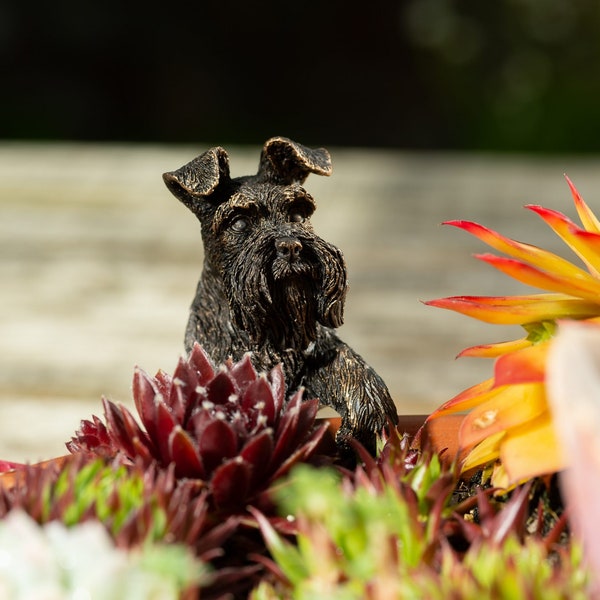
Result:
[{"x": 517, "y": 75}]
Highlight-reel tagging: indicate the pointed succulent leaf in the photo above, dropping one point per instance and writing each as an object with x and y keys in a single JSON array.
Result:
[
  {"x": 287, "y": 555},
  {"x": 165, "y": 423},
  {"x": 131, "y": 426},
  {"x": 145, "y": 391},
  {"x": 92, "y": 436},
  {"x": 185, "y": 455},
  {"x": 202, "y": 364},
  {"x": 177, "y": 400},
  {"x": 287, "y": 424},
  {"x": 211, "y": 543},
  {"x": 294, "y": 425},
  {"x": 217, "y": 443},
  {"x": 220, "y": 389},
  {"x": 163, "y": 382},
  {"x": 145, "y": 451},
  {"x": 302, "y": 453},
  {"x": 258, "y": 395},
  {"x": 512, "y": 518},
  {"x": 230, "y": 483},
  {"x": 198, "y": 422},
  {"x": 278, "y": 387},
  {"x": 307, "y": 414},
  {"x": 185, "y": 382},
  {"x": 243, "y": 372},
  {"x": 117, "y": 429},
  {"x": 257, "y": 453}
]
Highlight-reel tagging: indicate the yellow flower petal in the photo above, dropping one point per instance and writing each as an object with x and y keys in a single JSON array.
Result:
[
  {"x": 519, "y": 310},
  {"x": 466, "y": 400},
  {"x": 531, "y": 450},
  {"x": 485, "y": 452},
  {"x": 511, "y": 406},
  {"x": 588, "y": 218},
  {"x": 533, "y": 255},
  {"x": 565, "y": 229},
  {"x": 495, "y": 350},
  {"x": 500, "y": 478},
  {"x": 581, "y": 287}
]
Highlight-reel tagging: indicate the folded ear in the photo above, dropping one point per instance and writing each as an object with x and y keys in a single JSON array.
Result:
[
  {"x": 284, "y": 161},
  {"x": 200, "y": 177}
]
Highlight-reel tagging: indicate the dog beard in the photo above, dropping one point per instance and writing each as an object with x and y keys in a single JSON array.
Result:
[{"x": 276, "y": 300}]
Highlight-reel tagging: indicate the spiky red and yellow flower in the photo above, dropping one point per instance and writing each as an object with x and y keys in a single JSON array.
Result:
[{"x": 508, "y": 416}]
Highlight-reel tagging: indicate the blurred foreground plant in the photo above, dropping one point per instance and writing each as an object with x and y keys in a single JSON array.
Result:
[
  {"x": 509, "y": 417},
  {"x": 63, "y": 563},
  {"x": 361, "y": 541}
]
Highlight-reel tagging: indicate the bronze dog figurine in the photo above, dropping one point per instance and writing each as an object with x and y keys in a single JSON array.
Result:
[{"x": 270, "y": 286}]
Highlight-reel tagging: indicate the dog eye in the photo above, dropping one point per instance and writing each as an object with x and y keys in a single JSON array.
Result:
[
  {"x": 297, "y": 218},
  {"x": 240, "y": 224}
]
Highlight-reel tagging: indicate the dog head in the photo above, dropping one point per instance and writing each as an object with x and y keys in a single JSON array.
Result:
[{"x": 280, "y": 279}]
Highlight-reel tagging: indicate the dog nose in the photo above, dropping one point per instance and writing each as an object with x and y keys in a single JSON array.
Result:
[{"x": 288, "y": 247}]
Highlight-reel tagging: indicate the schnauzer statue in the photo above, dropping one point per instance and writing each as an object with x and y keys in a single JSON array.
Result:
[{"x": 270, "y": 286}]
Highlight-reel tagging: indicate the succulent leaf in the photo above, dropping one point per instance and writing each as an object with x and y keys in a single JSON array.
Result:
[
  {"x": 217, "y": 443},
  {"x": 202, "y": 364},
  {"x": 165, "y": 423},
  {"x": 257, "y": 452},
  {"x": 259, "y": 396},
  {"x": 185, "y": 455},
  {"x": 243, "y": 372},
  {"x": 144, "y": 393},
  {"x": 230, "y": 483},
  {"x": 117, "y": 428},
  {"x": 220, "y": 389}
]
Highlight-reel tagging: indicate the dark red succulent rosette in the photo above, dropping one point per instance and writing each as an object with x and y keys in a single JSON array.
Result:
[{"x": 229, "y": 427}]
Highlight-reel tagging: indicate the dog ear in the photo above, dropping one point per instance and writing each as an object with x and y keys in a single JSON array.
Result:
[
  {"x": 200, "y": 177},
  {"x": 283, "y": 161}
]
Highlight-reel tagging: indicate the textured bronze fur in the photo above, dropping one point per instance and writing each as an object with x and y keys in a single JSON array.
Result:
[{"x": 270, "y": 286}]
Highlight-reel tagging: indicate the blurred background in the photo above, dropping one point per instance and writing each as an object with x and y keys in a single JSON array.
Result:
[
  {"x": 517, "y": 75},
  {"x": 432, "y": 110}
]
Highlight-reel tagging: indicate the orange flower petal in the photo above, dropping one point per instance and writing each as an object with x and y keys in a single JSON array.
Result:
[
  {"x": 565, "y": 228},
  {"x": 531, "y": 450},
  {"x": 466, "y": 400},
  {"x": 587, "y": 288},
  {"x": 495, "y": 350},
  {"x": 526, "y": 252},
  {"x": 518, "y": 310},
  {"x": 527, "y": 365},
  {"x": 589, "y": 241},
  {"x": 588, "y": 218},
  {"x": 511, "y": 406}
]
